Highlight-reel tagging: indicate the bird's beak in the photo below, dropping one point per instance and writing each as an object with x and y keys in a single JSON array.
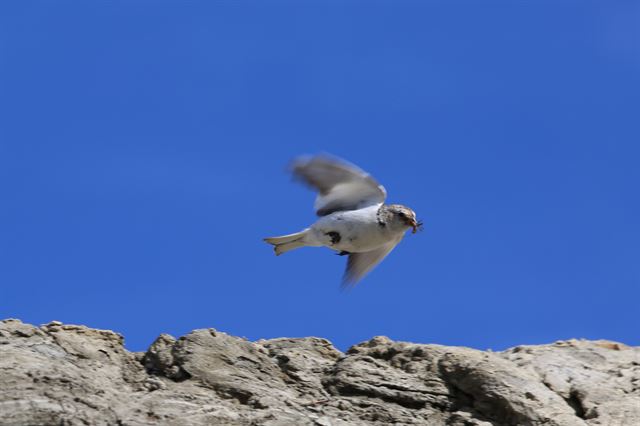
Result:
[{"x": 416, "y": 225}]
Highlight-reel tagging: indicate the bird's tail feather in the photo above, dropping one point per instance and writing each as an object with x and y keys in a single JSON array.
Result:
[{"x": 286, "y": 243}]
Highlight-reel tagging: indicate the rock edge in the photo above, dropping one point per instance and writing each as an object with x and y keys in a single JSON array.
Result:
[{"x": 59, "y": 374}]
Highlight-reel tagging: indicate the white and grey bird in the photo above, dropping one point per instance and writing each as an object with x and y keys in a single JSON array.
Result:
[{"x": 354, "y": 220}]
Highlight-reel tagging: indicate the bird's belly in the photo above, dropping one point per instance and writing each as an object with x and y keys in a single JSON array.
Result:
[
  {"x": 356, "y": 243},
  {"x": 350, "y": 236}
]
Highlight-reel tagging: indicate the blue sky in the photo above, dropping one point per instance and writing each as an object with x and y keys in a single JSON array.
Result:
[{"x": 143, "y": 148}]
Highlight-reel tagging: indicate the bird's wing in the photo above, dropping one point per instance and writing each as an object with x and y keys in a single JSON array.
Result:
[
  {"x": 340, "y": 185},
  {"x": 360, "y": 264}
]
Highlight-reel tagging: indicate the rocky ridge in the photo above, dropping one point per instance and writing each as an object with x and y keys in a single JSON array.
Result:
[{"x": 59, "y": 374}]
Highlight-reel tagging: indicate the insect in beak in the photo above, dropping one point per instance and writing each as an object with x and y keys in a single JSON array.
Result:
[{"x": 417, "y": 226}]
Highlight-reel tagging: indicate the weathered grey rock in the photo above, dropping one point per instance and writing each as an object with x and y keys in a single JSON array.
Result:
[{"x": 60, "y": 374}]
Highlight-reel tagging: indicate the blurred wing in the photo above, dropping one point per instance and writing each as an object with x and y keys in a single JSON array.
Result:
[
  {"x": 340, "y": 185},
  {"x": 360, "y": 264}
]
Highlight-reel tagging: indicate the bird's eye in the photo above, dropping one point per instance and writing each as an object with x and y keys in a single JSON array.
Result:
[{"x": 402, "y": 215}]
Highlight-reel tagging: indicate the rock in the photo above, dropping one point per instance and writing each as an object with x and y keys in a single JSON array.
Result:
[
  {"x": 74, "y": 375},
  {"x": 599, "y": 380}
]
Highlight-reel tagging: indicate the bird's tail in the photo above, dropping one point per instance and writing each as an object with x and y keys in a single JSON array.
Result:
[{"x": 287, "y": 242}]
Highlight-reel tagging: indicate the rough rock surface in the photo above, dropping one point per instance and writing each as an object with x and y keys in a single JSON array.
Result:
[{"x": 60, "y": 374}]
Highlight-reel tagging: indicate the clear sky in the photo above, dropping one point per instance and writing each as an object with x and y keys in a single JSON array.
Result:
[{"x": 143, "y": 149}]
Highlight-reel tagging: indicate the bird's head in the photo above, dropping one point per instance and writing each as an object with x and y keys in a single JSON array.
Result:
[{"x": 405, "y": 216}]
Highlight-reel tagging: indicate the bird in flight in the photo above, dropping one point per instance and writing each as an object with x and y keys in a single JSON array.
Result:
[{"x": 353, "y": 218}]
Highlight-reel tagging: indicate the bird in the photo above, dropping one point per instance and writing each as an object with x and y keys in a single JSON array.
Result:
[{"x": 353, "y": 218}]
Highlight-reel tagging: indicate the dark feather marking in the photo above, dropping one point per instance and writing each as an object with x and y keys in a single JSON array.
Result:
[
  {"x": 379, "y": 213},
  {"x": 335, "y": 237}
]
